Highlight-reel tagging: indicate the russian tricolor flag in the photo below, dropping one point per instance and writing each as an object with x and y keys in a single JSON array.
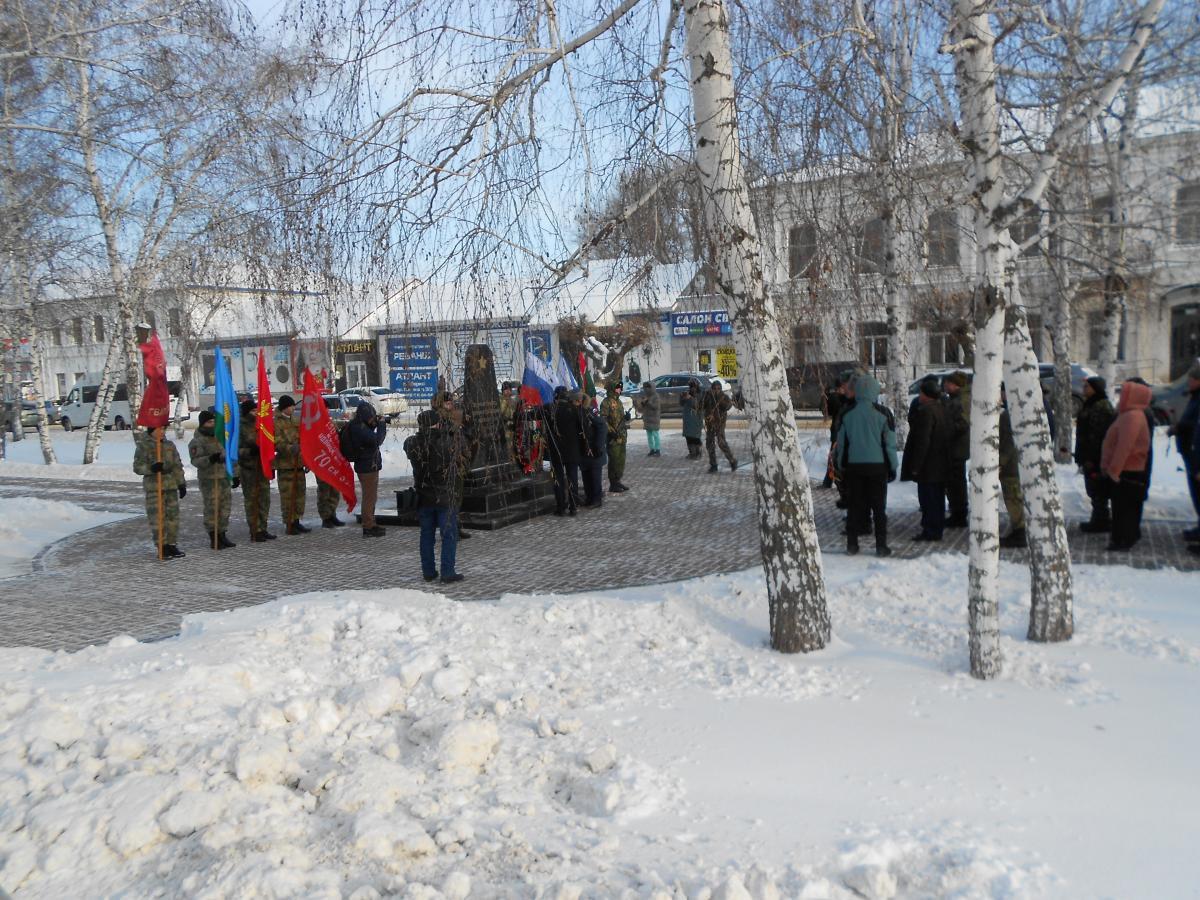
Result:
[{"x": 537, "y": 386}]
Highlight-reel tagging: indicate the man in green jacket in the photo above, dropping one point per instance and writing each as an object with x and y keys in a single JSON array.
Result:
[
  {"x": 208, "y": 456},
  {"x": 866, "y": 460},
  {"x": 150, "y": 462},
  {"x": 618, "y": 426}
]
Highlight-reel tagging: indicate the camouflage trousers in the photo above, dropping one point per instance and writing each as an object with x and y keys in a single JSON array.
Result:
[
  {"x": 170, "y": 510},
  {"x": 217, "y": 499},
  {"x": 714, "y": 438},
  {"x": 292, "y": 485},
  {"x": 1014, "y": 503},
  {"x": 256, "y": 498},
  {"x": 616, "y": 461},
  {"x": 327, "y": 500}
]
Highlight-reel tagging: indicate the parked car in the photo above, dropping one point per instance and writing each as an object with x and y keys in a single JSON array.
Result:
[
  {"x": 1168, "y": 400},
  {"x": 809, "y": 383},
  {"x": 1046, "y": 374},
  {"x": 29, "y": 415},
  {"x": 77, "y": 411},
  {"x": 339, "y": 406},
  {"x": 388, "y": 403},
  {"x": 672, "y": 386},
  {"x": 626, "y": 399}
]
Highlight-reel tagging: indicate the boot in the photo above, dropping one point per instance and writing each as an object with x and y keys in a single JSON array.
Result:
[
  {"x": 852, "y": 546},
  {"x": 1015, "y": 538},
  {"x": 733, "y": 464},
  {"x": 223, "y": 541},
  {"x": 170, "y": 551},
  {"x": 298, "y": 527},
  {"x": 375, "y": 531},
  {"x": 883, "y": 550},
  {"x": 712, "y": 469},
  {"x": 1095, "y": 526},
  {"x": 262, "y": 537},
  {"x": 957, "y": 522},
  {"x": 332, "y": 522}
]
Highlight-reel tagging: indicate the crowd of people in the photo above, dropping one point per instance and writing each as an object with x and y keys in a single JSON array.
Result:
[
  {"x": 582, "y": 440},
  {"x": 1114, "y": 450}
]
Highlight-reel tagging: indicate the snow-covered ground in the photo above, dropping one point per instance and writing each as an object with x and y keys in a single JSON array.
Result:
[
  {"x": 27, "y": 525},
  {"x": 641, "y": 743}
]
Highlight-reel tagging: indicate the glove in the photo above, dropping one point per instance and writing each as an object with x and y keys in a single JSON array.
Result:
[
  {"x": 156, "y": 468},
  {"x": 214, "y": 457},
  {"x": 182, "y": 491},
  {"x": 627, "y": 416},
  {"x": 237, "y": 483}
]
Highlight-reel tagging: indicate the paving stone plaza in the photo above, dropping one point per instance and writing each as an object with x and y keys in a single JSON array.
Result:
[{"x": 676, "y": 522}]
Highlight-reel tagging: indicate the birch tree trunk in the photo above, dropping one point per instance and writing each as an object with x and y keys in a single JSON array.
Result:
[
  {"x": 35, "y": 362},
  {"x": 896, "y": 381},
  {"x": 791, "y": 555},
  {"x": 1117, "y": 282},
  {"x": 1051, "y": 592},
  {"x": 1060, "y": 343},
  {"x": 974, "y": 66},
  {"x": 104, "y": 395}
]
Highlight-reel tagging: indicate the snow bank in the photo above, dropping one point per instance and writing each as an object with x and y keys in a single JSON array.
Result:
[
  {"x": 28, "y": 525},
  {"x": 643, "y": 743}
]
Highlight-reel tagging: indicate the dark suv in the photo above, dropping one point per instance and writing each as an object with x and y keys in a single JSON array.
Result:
[
  {"x": 672, "y": 386},
  {"x": 809, "y": 383}
]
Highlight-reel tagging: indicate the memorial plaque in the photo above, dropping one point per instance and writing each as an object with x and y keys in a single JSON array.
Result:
[{"x": 481, "y": 401}]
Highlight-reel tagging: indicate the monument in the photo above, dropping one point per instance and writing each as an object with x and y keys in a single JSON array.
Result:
[{"x": 496, "y": 492}]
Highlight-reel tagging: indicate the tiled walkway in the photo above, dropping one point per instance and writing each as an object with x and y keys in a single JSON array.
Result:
[{"x": 676, "y": 522}]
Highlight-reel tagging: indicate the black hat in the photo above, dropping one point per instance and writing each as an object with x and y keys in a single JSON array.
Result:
[
  {"x": 1099, "y": 385},
  {"x": 931, "y": 388},
  {"x": 286, "y": 402},
  {"x": 427, "y": 419},
  {"x": 560, "y": 391},
  {"x": 206, "y": 416},
  {"x": 247, "y": 407}
]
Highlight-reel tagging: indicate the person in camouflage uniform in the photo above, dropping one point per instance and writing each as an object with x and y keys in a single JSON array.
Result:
[
  {"x": 508, "y": 409},
  {"x": 1010, "y": 480},
  {"x": 256, "y": 488},
  {"x": 617, "y": 420},
  {"x": 208, "y": 456},
  {"x": 289, "y": 466},
  {"x": 716, "y": 405},
  {"x": 328, "y": 496},
  {"x": 174, "y": 488}
]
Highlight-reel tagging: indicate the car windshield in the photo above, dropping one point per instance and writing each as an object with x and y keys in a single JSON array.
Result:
[
  {"x": 333, "y": 403},
  {"x": 353, "y": 399},
  {"x": 380, "y": 391}
]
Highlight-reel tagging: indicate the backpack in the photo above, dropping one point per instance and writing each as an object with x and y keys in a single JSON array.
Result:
[{"x": 346, "y": 442}]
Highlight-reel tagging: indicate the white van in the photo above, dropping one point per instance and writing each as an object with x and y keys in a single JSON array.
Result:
[{"x": 76, "y": 410}]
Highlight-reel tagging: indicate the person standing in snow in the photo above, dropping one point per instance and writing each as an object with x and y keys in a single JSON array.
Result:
[
  {"x": 957, "y": 404},
  {"x": 208, "y": 456},
  {"x": 365, "y": 435},
  {"x": 289, "y": 466},
  {"x": 1091, "y": 425},
  {"x": 649, "y": 404},
  {"x": 693, "y": 423},
  {"x": 1125, "y": 460},
  {"x": 866, "y": 461},
  {"x": 594, "y": 458},
  {"x": 256, "y": 487},
  {"x": 437, "y": 452},
  {"x": 716, "y": 405},
  {"x": 146, "y": 462},
  {"x": 618, "y": 431},
  {"x": 1187, "y": 441},
  {"x": 927, "y": 459}
]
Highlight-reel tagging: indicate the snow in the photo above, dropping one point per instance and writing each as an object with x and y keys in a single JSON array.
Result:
[
  {"x": 28, "y": 525},
  {"x": 641, "y": 743}
]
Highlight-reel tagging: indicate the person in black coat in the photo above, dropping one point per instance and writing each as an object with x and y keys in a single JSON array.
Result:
[
  {"x": 927, "y": 459},
  {"x": 595, "y": 458},
  {"x": 1092, "y": 423},
  {"x": 570, "y": 444},
  {"x": 366, "y": 435}
]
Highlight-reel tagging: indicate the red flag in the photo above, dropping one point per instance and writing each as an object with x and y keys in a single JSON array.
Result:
[
  {"x": 265, "y": 420},
  {"x": 155, "y": 411},
  {"x": 530, "y": 395},
  {"x": 319, "y": 443}
]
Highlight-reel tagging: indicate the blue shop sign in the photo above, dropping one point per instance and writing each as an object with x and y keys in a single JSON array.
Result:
[
  {"x": 417, "y": 352},
  {"x": 414, "y": 384},
  {"x": 699, "y": 324}
]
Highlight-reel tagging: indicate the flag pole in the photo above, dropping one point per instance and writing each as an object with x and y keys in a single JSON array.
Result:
[
  {"x": 158, "y": 475},
  {"x": 216, "y": 506}
]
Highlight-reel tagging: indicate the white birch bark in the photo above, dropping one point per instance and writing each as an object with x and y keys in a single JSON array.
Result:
[
  {"x": 35, "y": 362},
  {"x": 974, "y": 65},
  {"x": 787, "y": 530},
  {"x": 1051, "y": 616},
  {"x": 1061, "y": 325},
  {"x": 896, "y": 352},
  {"x": 1117, "y": 282},
  {"x": 108, "y": 386}
]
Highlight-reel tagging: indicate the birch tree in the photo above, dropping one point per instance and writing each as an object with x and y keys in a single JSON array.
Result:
[{"x": 1002, "y": 343}]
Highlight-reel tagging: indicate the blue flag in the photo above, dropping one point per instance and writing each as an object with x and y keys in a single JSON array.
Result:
[
  {"x": 563, "y": 375},
  {"x": 225, "y": 407}
]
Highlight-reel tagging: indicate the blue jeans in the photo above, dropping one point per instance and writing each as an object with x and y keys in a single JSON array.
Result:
[{"x": 445, "y": 520}]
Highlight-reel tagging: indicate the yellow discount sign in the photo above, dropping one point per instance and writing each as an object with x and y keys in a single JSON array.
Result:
[{"x": 727, "y": 366}]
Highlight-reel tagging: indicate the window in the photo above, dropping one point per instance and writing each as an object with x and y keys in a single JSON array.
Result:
[
  {"x": 78, "y": 377},
  {"x": 1099, "y": 217},
  {"x": 943, "y": 348},
  {"x": 1035, "y": 335},
  {"x": 174, "y": 322},
  {"x": 806, "y": 341},
  {"x": 56, "y": 335},
  {"x": 1187, "y": 214},
  {"x": 77, "y": 331},
  {"x": 869, "y": 245},
  {"x": 941, "y": 238},
  {"x": 802, "y": 251},
  {"x": 60, "y": 379},
  {"x": 98, "y": 329},
  {"x": 1096, "y": 336},
  {"x": 1023, "y": 232},
  {"x": 872, "y": 343}
]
